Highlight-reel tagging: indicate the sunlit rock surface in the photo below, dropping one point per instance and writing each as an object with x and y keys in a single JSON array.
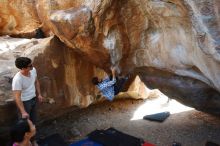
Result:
[
  {"x": 171, "y": 45},
  {"x": 19, "y": 18}
]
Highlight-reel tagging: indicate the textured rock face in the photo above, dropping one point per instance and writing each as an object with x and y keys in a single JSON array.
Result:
[
  {"x": 18, "y": 18},
  {"x": 172, "y": 45},
  {"x": 180, "y": 37}
]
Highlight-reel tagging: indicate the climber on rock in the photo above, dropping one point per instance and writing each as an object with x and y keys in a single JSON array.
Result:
[{"x": 110, "y": 85}]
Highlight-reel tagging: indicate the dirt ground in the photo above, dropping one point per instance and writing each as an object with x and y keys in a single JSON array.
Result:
[{"x": 190, "y": 128}]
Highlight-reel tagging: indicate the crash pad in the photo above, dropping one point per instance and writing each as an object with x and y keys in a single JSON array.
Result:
[
  {"x": 85, "y": 142},
  {"x": 52, "y": 140},
  {"x": 159, "y": 117},
  {"x": 148, "y": 144},
  {"x": 113, "y": 137},
  {"x": 209, "y": 143}
]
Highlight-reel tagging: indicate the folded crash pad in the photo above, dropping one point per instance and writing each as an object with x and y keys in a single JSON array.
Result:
[
  {"x": 159, "y": 117},
  {"x": 52, "y": 140},
  {"x": 113, "y": 137}
]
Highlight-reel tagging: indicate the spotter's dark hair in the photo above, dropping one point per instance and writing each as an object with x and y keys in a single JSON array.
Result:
[
  {"x": 18, "y": 130},
  {"x": 22, "y": 62}
]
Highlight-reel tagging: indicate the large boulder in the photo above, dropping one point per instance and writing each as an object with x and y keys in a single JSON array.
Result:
[
  {"x": 172, "y": 45},
  {"x": 178, "y": 36}
]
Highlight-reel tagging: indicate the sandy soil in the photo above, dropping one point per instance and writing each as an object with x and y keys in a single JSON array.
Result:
[{"x": 190, "y": 128}]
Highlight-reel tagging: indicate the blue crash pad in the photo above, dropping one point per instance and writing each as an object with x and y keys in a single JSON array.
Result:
[{"x": 85, "y": 142}]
